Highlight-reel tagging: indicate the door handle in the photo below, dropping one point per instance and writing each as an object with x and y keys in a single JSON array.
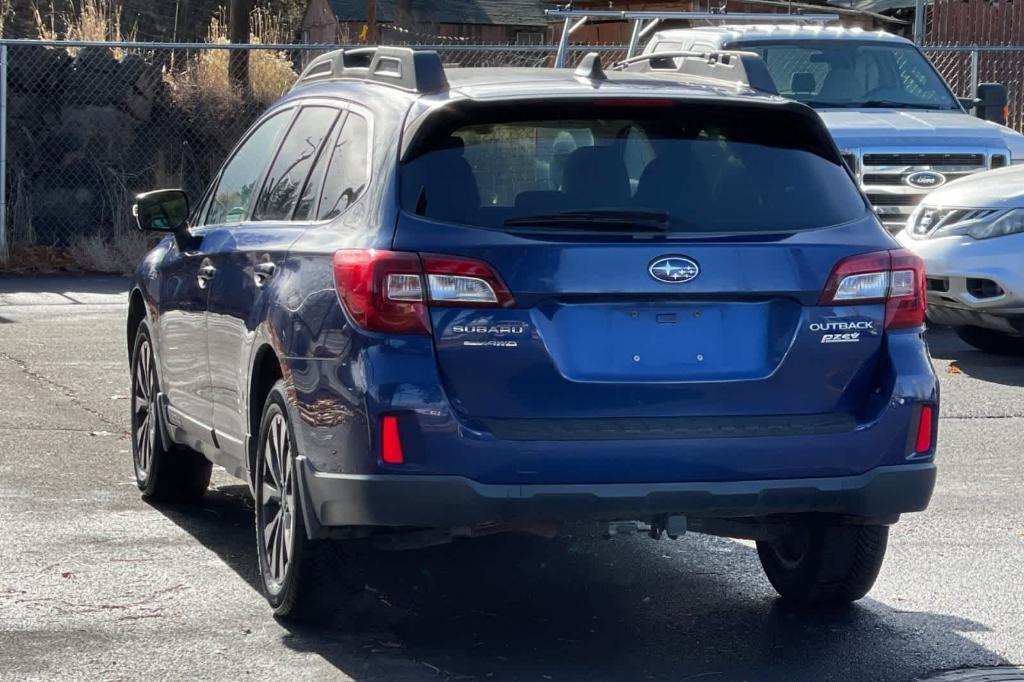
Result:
[{"x": 261, "y": 272}]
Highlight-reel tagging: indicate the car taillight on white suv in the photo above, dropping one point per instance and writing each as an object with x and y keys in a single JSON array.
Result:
[
  {"x": 895, "y": 278},
  {"x": 390, "y": 291}
]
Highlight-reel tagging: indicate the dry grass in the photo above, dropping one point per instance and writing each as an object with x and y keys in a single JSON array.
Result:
[
  {"x": 205, "y": 81},
  {"x": 5, "y": 11},
  {"x": 94, "y": 20}
]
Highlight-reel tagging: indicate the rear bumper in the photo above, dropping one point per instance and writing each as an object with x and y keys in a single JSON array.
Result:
[{"x": 331, "y": 500}]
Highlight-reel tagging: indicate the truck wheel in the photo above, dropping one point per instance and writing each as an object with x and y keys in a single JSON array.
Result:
[
  {"x": 824, "y": 564},
  {"x": 163, "y": 474},
  {"x": 991, "y": 341},
  {"x": 295, "y": 572}
]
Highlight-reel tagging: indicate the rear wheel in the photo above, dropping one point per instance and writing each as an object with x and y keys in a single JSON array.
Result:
[
  {"x": 296, "y": 572},
  {"x": 992, "y": 341},
  {"x": 824, "y": 564},
  {"x": 165, "y": 474}
]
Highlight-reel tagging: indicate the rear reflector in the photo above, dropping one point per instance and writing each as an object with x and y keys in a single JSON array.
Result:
[
  {"x": 383, "y": 291},
  {"x": 893, "y": 277},
  {"x": 924, "y": 430},
  {"x": 390, "y": 442}
]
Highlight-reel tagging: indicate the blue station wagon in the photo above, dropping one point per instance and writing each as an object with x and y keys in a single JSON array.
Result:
[{"x": 421, "y": 303}]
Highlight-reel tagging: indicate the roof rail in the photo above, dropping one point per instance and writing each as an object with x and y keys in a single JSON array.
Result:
[
  {"x": 645, "y": 22},
  {"x": 402, "y": 67},
  {"x": 729, "y": 66}
]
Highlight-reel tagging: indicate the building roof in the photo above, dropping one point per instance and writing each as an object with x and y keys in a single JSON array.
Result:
[{"x": 482, "y": 12}]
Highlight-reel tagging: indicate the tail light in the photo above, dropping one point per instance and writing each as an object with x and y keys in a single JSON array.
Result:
[
  {"x": 895, "y": 278},
  {"x": 389, "y": 291}
]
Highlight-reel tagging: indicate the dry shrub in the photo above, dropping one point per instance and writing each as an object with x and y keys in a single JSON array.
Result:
[
  {"x": 118, "y": 253},
  {"x": 25, "y": 258}
]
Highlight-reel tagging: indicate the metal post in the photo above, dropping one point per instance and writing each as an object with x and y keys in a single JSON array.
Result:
[
  {"x": 634, "y": 37},
  {"x": 563, "y": 44},
  {"x": 919, "y": 17},
  {"x": 974, "y": 74},
  {"x": 4, "y": 245}
]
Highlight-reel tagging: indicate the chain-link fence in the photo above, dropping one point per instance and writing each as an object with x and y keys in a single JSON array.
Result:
[
  {"x": 89, "y": 125},
  {"x": 964, "y": 67},
  {"x": 85, "y": 126}
]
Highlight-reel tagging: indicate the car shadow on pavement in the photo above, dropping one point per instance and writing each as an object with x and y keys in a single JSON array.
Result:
[
  {"x": 581, "y": 607},
  {"x": 953, "y": 355}
]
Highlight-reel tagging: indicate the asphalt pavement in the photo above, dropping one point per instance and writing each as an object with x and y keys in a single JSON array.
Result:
[{"x": 97, "y": 584}]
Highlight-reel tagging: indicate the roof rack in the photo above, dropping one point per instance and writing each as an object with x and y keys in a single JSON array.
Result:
[
  {"x": 645, "y": 22},
  {"x": 402, "y": 67},
  {"x": 730, "y": 66}
]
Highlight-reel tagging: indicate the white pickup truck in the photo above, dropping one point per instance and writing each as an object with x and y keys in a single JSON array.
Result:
[{"x": 900, "y": 127}]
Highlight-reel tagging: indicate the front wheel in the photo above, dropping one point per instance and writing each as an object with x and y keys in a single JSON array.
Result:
[
  {"x": 162, "y": 473},
  {"x": 991, "y": 341},
  {"x": 296, "y": 573},
  {"x": 824, "y": 564}
]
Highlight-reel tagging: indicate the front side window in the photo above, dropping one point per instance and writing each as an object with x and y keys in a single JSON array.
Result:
[
  {"x": 847, "y": 73},
  {"x": 298, "y": 151},
  {"x": 239, "y": 179},
  {"x": 677, "y": 169}
]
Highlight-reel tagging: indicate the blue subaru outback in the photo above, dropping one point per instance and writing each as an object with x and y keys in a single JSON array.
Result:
[{"x": 421, "y": 303}]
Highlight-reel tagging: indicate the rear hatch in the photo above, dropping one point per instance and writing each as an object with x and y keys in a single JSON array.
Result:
[{"x": 649, "y": 260}]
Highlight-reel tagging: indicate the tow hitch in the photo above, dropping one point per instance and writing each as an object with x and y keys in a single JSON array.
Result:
[{"x": 673, "y": 526}]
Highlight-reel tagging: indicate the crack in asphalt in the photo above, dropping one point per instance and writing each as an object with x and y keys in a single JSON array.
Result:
[{"x": 67, "y": 391}]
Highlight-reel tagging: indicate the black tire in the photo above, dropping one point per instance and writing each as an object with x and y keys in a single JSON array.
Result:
[
  {"x": 991, "y": 341},
  {"x": 163, "y": 474},
  {"x": 825, "y": 564},
  {"x": 296, "y": 574}
]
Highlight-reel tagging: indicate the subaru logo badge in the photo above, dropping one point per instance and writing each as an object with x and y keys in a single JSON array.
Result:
[
  {"x": 925, "y": 180},
  {"x": 673, "y": 269}
]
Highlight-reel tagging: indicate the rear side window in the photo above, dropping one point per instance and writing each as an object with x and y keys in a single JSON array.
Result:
[
  {"x": 696, "y": 169},
  {"x": 349, "y": 168},
  {"x": 298, "y": 151}
]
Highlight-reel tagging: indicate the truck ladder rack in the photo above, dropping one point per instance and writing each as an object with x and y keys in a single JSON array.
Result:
[{"x": 644, "y": 22}]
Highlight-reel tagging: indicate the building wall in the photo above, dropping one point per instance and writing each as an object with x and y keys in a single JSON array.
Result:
[
  {"x": 955, "y": 22},
  {"x": 319, "y": 25}
]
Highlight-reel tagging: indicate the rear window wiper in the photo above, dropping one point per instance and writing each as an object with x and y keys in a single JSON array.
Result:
[{"x": 654, "y": 221}]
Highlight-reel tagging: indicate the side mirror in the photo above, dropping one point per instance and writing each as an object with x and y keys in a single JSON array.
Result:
[
  {"x": 993, "y": 102},
  {"x": 969, "y": 103},
  {"x": 164, "y": 210}
]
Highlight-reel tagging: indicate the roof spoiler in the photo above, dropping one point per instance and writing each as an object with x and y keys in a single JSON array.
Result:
[
  {"x": 729, "y": 66},
  {"x": 402, "y": 67}
]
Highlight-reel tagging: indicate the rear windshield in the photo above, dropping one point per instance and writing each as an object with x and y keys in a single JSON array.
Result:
[{"x": 660, "y": 167}]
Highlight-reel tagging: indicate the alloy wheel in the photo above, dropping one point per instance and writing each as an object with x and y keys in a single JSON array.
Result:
[
  {"x": 277, "y": 503},
  {"x": 144, "y": 411}
]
